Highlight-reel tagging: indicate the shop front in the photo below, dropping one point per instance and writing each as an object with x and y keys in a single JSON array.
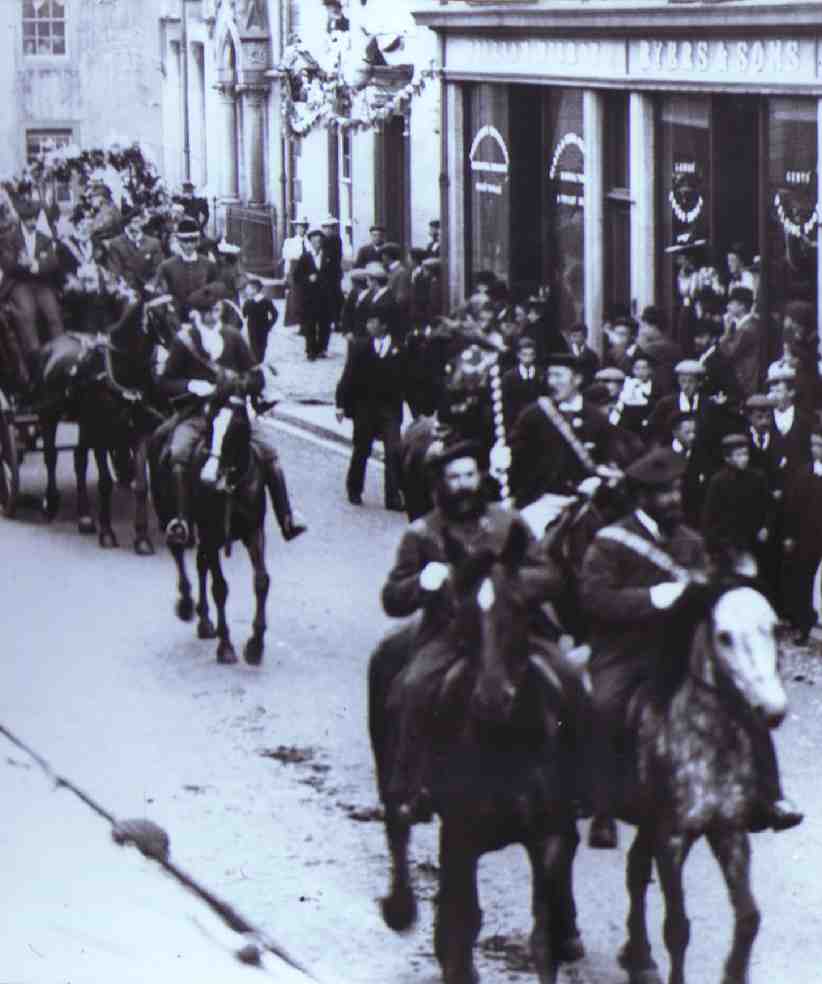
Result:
[{"x": 583, "y": 146}]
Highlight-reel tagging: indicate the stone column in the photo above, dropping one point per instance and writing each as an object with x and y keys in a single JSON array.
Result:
[
  {"x": 594, "y": 252},
  {"x": 643, "y": 200},
  {"x": 254, "y": 100},
  {"x": 228, "y": 103},
  {"x": 452, "y": 188}
]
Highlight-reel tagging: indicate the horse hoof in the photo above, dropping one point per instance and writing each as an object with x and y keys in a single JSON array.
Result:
[
  {"x": 86, "y": 525},
  {"x": 254, "y": 651},
  {"x": 641, "y": 970},
  {"x": 185, "y": 609},
  {"x": 399, "y": 911},
  {"x": 143, "y": 547},
  {"x": 50, "y": 506},
  {"x": 108, "y": 540},
  {"x": 225, "y": 653},
  {"x": 205, "y": 629},
  {"x": 570, "y": 949}
]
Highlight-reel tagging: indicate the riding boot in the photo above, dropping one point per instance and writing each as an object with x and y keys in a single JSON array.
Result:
[
  {"x": 177, "y": 531},
  {"x": 773, "y": 810},
  {"x": 275, "y": 480}
]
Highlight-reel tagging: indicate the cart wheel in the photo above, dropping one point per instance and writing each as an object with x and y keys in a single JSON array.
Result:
[{"x": 9, "y": 465}]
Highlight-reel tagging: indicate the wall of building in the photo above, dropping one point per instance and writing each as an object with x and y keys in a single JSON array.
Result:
[{"x": 107, "y": 84}]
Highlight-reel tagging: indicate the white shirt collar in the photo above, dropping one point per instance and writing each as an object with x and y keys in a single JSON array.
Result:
[
  {"x": 817, "y": 468},
  {"x": 760, "y": 440},
  {"x": 783, "y": 419},
  {"x": 188, "y": 259},
  {"x": 679, "y": 447},
  {"x": 688, "y": 405},
  {"x": 649, "y": 524},
  {"x": 527, "y": 372},
  {"x": 30, "y": 238},
  {"x": 572, "y": 406},
  {"x": 382, "y": 345}
]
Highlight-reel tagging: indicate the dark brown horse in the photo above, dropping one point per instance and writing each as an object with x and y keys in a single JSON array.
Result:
[
  {"x": 498, "y": 762},
  {"x": 695, "y": 776},
  {"x": 233, "y": 510}
]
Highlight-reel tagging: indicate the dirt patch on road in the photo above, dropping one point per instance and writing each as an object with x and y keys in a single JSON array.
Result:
[{"x": 289, "y": 754}]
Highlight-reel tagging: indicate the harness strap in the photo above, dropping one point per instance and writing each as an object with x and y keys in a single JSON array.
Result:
[
  {"x": 649, "y": 551},
  {"x": 567, "y": 434}
]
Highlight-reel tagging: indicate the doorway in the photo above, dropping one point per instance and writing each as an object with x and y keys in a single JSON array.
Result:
[{"x": 391, "y": 174}]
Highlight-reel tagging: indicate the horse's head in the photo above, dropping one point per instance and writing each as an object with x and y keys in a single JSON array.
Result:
[
  {"x": 491, "y": 621},
  {"x": 743, "y": 638},
  {"x": 159, "y": 321}
]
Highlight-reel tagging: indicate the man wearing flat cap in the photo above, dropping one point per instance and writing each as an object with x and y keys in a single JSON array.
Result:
[
  {"x": 371, "y": 251},
  {"x": 31, "y": 276},
  {"x": 633, "y": 573},
  {"x": 382, "y": 302},
  {"x": 134, "y": 256},
  {"x": 399, "y": 283},
  {"x": 561, "y": 439},
  {"x": 740, "y": 342},
  {"x": 187, "y": 272},
  {"x": 314, "y": 274}
]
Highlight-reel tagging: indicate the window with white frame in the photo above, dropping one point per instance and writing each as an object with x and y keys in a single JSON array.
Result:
[
  {"x": 44, "y": 27},
  {"x": 346, "y": 183},
  {"x": 40, "y": 142}
]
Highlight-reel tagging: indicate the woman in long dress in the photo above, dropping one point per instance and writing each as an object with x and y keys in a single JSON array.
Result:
[{"x": 293, "y": 249}]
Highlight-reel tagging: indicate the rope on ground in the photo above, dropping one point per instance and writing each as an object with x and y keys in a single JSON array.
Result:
[{"x": 153, "y": 843}]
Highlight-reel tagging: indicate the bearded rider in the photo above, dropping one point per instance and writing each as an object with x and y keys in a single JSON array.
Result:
[
  {"x": 207, "y": 363},
  {"x": 419, "y": 581}
]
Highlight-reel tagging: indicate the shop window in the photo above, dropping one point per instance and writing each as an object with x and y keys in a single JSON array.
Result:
[
  {"x": 793, "y": 195},
  {"x": 44, "y": 27},
  {"x": 617, "y": 274}
]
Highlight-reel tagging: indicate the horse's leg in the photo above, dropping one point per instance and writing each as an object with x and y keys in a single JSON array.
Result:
[
  {"x": 255, "y": 546},
  {"x": 399, "y": 907},
  {"x": 105, "y": 488},
  {"x": 85, "y": 521},
  {"x": 51, "y": 500},
  {"x": 670, "y": 854},
  {"x": 635, "y": 955},
  {"x": 567, "y": 939},
  {"x": 185, "y": 604},
  {"x": 459, "y": 916},
  {"x": 205, "y": 627},
  {"x": 219, "y": 591},
  {"x": 143, "y": 546},
  {"x": 549, "y": 863},
  {"x": 732, "y": 850}
]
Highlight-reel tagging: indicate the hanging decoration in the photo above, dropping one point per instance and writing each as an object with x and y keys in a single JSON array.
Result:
[
  {"x": 323, "y": 96},
  {"x": 790, "y": 215},
  {"x": 123, "y": 169}
]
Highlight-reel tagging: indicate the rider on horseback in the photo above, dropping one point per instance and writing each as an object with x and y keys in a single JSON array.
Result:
[
  {"x": 634, "y": 571},
  {"x": 208, "y": 363},
  {"x": 419, "y": 580}
]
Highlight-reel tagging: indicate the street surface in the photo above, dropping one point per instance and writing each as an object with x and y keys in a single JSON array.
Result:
[{"x": 263, "y": 777}]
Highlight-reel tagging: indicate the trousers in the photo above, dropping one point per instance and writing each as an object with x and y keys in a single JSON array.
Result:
[
  {"x": 30, "y": 301},
  {"x": 371, "y": 423}
]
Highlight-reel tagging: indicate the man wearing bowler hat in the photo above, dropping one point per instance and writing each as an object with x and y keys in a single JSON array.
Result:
[
  {"x": 334, "y": 247},
  {"x": 195, "y": 208},
  {"x": 314, "y": 274},
  {"x": 187, "y": 272}
]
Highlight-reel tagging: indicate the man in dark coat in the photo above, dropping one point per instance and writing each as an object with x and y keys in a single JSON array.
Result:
[
  {"x": 720, "y": 377},
  {"x": 260, "y": 315},
  {"x": 802, "y": 531},
  {"x": 382, "y": 302},
  {"x": 740, "y": 343},
  {"x": 586, "y": 358},
  {"x": 548, "y": 339},
  {"x": 634, "y": 572},
  {"x": 665, "y": 352},
  {"x": 371, "y": 252},
  {"x": 558, "y": 442},
  {"x": 334, "y": 245},
  {"x": 522, "y": 385},
  {"x": 134, "y": 256},
  {"x": 433, "y": 247},
  {"x": 195, "y": 208},
  {"x": 370, "y": 392},
  {"x": 183, "y": 275},
  {"x": 790, "y": 425},
  {"x": 355, "y": 306},
  {"x": 314, "y": 274},
  {"x": 685, "y": 443},
  {"x": 399, "y": 283},
  {"x": 738, "y": 513}
]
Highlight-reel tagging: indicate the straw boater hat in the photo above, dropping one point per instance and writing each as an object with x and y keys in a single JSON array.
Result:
[
  {"x": 224, "y": 246},
  {"x": 302, "y": 221},
  {"x": 685, "y": 241},
  {"x": 733, "y": 441},
  {"x": 610, "y": 375},
  {"x": 689, "y": 367},
  {"x": 329, "y": 220}
]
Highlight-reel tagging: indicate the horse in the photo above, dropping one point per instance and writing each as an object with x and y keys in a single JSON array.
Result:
[
  {"x": 106, "y": 384},
  {"x": 694, "y": 774},
  {"x": 232, "y": 510},
  {"x": 498, "y": 765}
]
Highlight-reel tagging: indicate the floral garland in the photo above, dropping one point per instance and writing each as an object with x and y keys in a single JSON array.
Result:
[
  {"x": 686, "y": 217},
  {"x": 799, "y": 230},
  {"x": 141, "y": 183},
  {"x": 328, "y": 91}
]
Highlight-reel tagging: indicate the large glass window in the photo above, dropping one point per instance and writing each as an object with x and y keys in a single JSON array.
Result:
[
  {"x": 44, "y": 27},
  {"x": 793, "y": 217}
]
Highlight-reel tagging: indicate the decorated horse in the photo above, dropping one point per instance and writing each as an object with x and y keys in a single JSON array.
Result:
[
  {"x": 498, "y": 761},
  {"x": 232, "y": 510},
  {"x": 105, "y": 383},
  {"x": 693, "y": 766}
]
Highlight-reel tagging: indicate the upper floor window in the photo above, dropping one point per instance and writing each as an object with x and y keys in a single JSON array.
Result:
[{"x": 44, "y": 27}]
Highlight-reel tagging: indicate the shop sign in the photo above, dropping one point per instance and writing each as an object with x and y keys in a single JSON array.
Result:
[
  {"x": 547, "y": 57},
  {"x": 493, "y": 174},
  {"x": 773, "y": 60},
  {"x": 567, "y": 171}
]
